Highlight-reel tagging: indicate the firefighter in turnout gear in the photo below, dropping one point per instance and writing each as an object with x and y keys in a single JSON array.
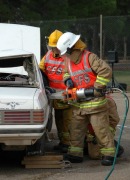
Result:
[
  {"x": 52, "y": 65},
  {"x": 85, "y": 69},
  {"x": 93, "y": 147}
]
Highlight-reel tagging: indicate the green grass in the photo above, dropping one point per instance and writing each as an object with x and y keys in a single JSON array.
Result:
[{"x": 122, "y": 77}]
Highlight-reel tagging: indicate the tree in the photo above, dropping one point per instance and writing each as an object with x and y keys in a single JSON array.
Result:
[
  {"x": 91, "y": 8},
  {"x": 32, "y": 10},
  {"x": 123, "y": 7}
]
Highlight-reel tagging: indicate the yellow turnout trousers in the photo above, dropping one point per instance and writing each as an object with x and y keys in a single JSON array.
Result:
[
  {"x": 62, "y": 120},
  {"x": 93, "y": 148},
  {"x": 100, "y": 124}
]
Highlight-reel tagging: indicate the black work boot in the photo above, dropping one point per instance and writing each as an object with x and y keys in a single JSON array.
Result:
[
  {"x": 85, "y": 149},
  {"x": 107, "y": 160},
  {"x": 58, "y": 147},
  {"x": 73, "y": 159},
  {"x": 64, "y": 148},
  {"x": 120, "y": 149}
]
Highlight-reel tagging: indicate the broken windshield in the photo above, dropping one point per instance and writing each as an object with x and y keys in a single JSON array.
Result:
[{"x": 17, "y": 71}]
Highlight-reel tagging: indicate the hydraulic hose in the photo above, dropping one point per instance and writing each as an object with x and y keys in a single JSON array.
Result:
[{"x": 121, "y": 130}]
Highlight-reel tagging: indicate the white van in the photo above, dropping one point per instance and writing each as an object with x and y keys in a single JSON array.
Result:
[{"x": 24, "y": 106}]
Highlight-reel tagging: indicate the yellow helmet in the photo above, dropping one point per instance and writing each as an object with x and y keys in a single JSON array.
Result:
[{"x": 53, "y": 38}]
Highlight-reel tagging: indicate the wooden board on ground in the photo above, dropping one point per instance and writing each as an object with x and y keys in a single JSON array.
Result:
[
  {"x": 45, "y": 166},
  {"x": 51, "y": 161},
  {"x": 45, "y": 158}
]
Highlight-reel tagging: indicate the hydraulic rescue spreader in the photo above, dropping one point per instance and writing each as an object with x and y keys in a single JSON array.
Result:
[{"x": 75, "y": 94}]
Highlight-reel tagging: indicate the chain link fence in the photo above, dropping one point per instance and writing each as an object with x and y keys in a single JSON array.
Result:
[{"x": 101, "y": 36}]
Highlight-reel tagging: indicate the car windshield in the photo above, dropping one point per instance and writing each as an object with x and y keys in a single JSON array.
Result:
[{"x": 17, "y": 71}]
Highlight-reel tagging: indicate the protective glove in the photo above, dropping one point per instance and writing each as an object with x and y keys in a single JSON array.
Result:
[
  {"x": 99, "y": 92},
  {"x": 69, "y": 83},
  {"x": 49, "y": 90}
]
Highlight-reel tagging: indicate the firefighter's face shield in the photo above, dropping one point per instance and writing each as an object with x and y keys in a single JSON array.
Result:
[
  {"x": 51, "y": 46},
  {"x": 53, "y": 49},
  {"x": 47, "y": 40}
]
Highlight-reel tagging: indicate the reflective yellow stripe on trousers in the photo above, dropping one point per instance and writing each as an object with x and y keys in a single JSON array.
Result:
[
  {"x": 65, "y": 134},
  {"x": 108, "y": 150},
  {"x": 75, "y": 149},
  {"x": 89, "y": 104}
]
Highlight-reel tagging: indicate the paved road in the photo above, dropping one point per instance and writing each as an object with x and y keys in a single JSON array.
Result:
[{"x": 11, "y": 168}]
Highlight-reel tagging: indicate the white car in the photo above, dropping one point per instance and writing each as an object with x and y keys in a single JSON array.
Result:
[{"x": 25, "y": 113}]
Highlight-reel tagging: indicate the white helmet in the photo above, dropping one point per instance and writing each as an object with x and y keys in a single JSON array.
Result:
[{"x": 67, "y": 40}]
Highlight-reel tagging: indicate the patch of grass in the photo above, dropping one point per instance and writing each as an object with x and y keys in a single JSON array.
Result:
[{"x": 122, "y": 77}]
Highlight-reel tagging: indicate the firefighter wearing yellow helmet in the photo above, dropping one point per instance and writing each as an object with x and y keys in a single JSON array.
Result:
[
  {"x": 86, "y": 70},
  {"x": 53, "y": 65}
]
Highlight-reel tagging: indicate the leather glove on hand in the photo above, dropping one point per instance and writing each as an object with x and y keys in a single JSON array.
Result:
[
  {"x": 49, "y": 90},
  {"x": 69, "y": 83},
  {"x": 99, "y": 92}
]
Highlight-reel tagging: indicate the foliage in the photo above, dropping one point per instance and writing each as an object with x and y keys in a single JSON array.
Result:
[
  {"x": 75, "y": 16},
  {"x": 32, "y": 10},
  {"x": 88, "y": 8}
]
